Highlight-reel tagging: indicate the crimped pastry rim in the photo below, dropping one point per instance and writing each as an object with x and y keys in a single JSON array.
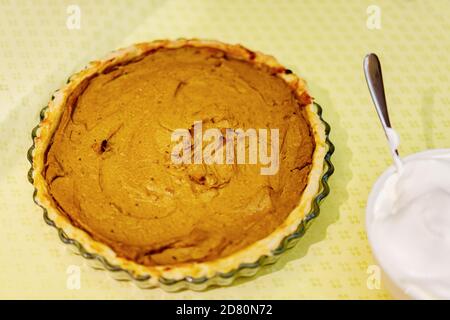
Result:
[{"x": 196, "y": 272}]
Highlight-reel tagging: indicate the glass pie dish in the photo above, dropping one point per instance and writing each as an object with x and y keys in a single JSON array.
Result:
[{"x": 195, "y": 276}]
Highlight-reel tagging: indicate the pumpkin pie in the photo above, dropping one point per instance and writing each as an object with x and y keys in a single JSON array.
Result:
[{"x": 103, "y": 169}]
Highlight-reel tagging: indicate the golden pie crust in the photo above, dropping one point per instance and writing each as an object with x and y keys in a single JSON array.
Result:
[{"x": 148, "y": 253}]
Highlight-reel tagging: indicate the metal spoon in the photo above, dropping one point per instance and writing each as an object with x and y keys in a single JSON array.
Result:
[{"x": 374, "y": 78}]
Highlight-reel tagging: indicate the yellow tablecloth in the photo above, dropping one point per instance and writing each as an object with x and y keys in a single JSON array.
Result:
[{"x": 323, "y": 41}]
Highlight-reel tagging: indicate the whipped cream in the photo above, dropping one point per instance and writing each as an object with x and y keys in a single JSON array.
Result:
[
  {"x": 409, "y": 225},
  {"x": 394, "y": 142}
]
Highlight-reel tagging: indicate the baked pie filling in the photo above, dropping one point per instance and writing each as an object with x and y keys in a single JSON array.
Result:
[{"x": 108, "y": 166}]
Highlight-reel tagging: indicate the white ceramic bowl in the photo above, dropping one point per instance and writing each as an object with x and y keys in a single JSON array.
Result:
[{"x": 393, "y": 286}]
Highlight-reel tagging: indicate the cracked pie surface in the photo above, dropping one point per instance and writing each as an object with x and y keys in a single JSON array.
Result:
[{"x": 103, "y": 169}]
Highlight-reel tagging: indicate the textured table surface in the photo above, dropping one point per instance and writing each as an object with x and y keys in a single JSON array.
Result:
[{"x": 322, "y": 41}]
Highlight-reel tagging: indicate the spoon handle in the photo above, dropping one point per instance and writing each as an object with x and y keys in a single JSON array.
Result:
[{"x": 374, "y": 78}]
